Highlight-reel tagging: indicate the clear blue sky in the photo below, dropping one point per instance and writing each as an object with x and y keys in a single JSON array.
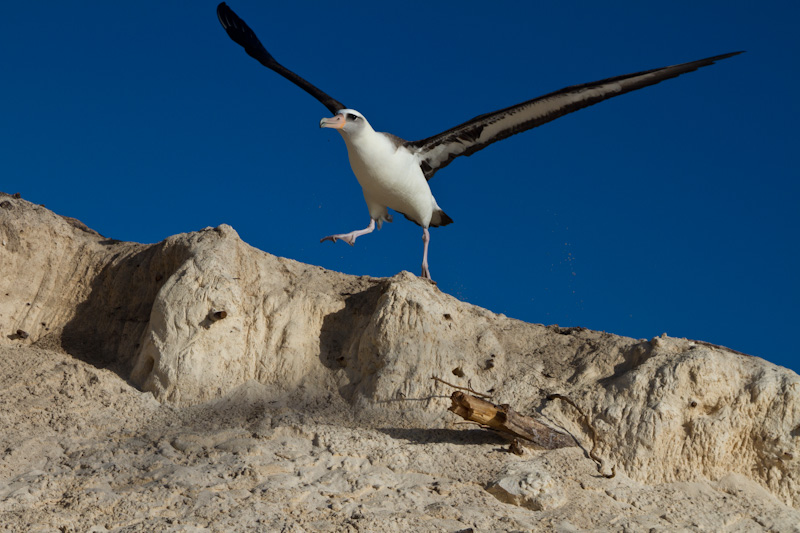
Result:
[{"x": 672, "y": 209}]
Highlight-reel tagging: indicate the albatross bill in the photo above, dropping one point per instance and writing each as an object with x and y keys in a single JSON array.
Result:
[{"x": 394, "y": 173}]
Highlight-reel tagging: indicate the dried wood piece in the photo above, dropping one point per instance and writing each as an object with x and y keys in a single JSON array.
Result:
[
  {"x": 468, "y": 389},
  {"x": 508, "y": 422}
]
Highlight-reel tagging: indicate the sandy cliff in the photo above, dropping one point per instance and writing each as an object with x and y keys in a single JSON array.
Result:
[{"x": 201, "y": 384}]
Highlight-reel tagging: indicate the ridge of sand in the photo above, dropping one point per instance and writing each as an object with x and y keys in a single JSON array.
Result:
[{"x": 130, "y": 406}]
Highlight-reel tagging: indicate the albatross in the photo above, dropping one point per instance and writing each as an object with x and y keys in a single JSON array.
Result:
[{"x": 394, "y": 173}]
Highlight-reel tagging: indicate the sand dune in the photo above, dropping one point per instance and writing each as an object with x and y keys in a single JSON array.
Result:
[{"x": 200, "y": 384}]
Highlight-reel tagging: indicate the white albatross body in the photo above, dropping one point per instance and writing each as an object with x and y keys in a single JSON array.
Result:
[
  {"x": 390, "y": 177},
  {"x": 394, "y": 173},
  {"x": 388, "y": 172}
]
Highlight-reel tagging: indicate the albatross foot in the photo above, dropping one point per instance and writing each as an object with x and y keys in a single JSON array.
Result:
[
  {"x": 426, "y": 274},
  {"x": 350, "y": 238},
  {"x": 346, "y": 237}
]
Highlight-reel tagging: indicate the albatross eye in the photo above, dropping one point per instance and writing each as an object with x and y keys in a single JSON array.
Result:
[{"x": 352, "y": 117}]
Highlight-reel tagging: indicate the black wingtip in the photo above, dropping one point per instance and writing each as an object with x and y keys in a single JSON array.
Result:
[
  {"x": 222, "y": 14},
  {"x": 241, "y": 34},
  {"x": 694, "y": 65},
  {"x": 726, "y": 56},
  {"x": 226, "y": 15}
]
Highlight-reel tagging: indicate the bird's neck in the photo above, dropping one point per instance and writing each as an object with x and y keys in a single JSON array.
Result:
[{"x": 365, "y": 139}]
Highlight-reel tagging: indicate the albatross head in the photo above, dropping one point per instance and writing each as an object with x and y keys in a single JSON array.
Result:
[{"x": 348, "y": 121}]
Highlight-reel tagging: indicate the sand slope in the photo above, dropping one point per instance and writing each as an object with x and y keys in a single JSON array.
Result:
[{"x": 130, "y": 403}]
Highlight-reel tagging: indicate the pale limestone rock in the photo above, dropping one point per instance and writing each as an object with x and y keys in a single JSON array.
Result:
[
  {"x": 297, "y": 343},
  {"x": 528, "y": 487},
  {"x": 682, "y": 411}
]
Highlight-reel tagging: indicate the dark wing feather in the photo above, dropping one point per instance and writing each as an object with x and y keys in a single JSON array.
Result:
[
  {"x": 242, "y": 35},
  {"x": 438, "y": 151}
]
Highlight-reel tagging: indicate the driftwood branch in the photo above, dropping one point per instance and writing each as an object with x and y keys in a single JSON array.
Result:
[
  {"x": 468, "y": 389},
  {"x": 508, "y": 422},
  {"x": 521, "y": 429}
]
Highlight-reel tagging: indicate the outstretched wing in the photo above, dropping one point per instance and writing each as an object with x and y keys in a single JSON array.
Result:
[
  {"x": 242, "y": 35},
  {"x": 438, "y": 151}
]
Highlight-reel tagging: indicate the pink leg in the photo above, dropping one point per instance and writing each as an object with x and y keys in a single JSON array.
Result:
[
  {"x": 426, "y": 237},
  {"x": 350, "y": 238}
]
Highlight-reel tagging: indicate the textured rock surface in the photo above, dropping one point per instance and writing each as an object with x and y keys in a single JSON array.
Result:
[{"x": 308, "y": 405}]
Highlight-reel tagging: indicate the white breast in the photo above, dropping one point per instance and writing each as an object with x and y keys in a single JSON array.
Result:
[{"x": 390, "y": 176}]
